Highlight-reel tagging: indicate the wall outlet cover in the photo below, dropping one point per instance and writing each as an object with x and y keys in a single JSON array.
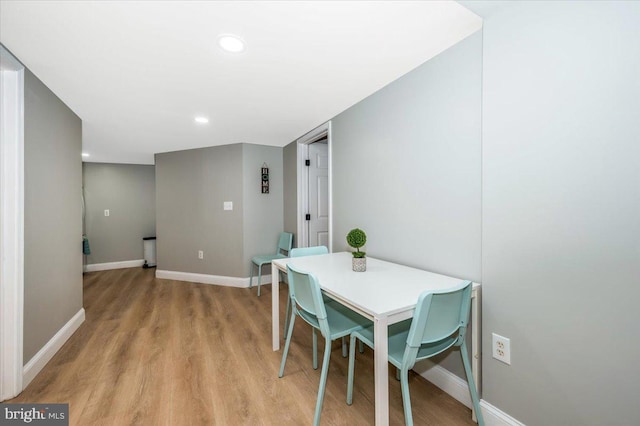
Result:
[{"x": 501, "y": 348}]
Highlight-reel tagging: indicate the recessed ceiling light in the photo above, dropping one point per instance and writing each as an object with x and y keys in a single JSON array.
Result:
[
  {"x": 202, "y": 120},
  {"x": 84, "y": 154},
  {"x": 231, "y": 43}
]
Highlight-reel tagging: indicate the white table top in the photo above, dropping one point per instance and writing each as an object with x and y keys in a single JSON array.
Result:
[{"x": 384, "y": 289}]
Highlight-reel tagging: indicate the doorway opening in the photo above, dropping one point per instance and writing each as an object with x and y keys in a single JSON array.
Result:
[{"x": 314, "y": 188}]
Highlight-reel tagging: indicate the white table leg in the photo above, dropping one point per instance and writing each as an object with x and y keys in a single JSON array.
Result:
[
  {"x": 275, "y": 306},
  {"x": 381, "y": 368},
  {"x": 475, "y": 342}
]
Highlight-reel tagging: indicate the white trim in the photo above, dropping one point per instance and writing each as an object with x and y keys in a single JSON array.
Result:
[
  {"x": 496, "y": 417},
  {"x": 44, "y": 355},
  {"x": 113, "y": 265},
  {"x": 329, "y": 148},
  {"x": 303, "y": 179},
  {"x": 211, "y": 279},
  {"x": 11, "y": 224},
  {"x": 459, "y": 390}
]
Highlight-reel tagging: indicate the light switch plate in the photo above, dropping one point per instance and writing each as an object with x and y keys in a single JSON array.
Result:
[{"x": 228, "y": 205}]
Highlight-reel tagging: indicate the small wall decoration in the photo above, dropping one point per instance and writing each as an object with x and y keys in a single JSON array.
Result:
[{"x": 265, "y": 178}]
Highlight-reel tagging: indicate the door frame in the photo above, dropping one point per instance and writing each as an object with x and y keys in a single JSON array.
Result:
[
  {"x": 11, "y": 224},
  {"x": 303, "y": 182}
]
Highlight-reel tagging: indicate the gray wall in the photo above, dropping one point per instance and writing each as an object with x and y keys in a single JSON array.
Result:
[
  {"x": 290, "y": 188},
  {"x": 407, "y": 168},
  {"x": 560, "y": 203},
  {"x": 191, "y": 187},
  {"x": 128, "y": 191},
  {"x": 52, "y": 215},
  {"x": 262, "y": 213},
  {"x": 561, "y": 210}
]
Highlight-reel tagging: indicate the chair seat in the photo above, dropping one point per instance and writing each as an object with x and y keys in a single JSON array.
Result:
[
  {"x": 267, "y": 258},
  {"x": 398, "y": 334},
  {"x": 397, "y": 339},
  {"x": 343, "y": 321}
]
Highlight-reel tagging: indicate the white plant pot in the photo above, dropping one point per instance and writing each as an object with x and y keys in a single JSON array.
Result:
[{"x": 359, "y": 264}]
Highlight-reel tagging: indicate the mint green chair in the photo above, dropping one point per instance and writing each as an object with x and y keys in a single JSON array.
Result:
[
  {"x": 439, "y": 323},
  {"x": 312, "y": 251},
  {"x": 301, "y": 252},
  {"x": 284, "y": 246},
  {"x": 333, "y": 321}
]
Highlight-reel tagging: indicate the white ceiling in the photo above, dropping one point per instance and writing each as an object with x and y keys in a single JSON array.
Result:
[{"x": 138, "y": 72}]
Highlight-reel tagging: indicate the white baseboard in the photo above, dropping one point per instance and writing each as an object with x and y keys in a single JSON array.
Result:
[
  {"x": 44, "y": 355},
  {"x": 459, "y": 390},
  {"x": 211, "y": 279},
  {"x": 496, "y": 417},
  {"x": 113, "y": 265}
]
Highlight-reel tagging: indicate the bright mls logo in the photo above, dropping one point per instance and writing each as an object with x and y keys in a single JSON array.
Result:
[{"x": 36, "y": 414}]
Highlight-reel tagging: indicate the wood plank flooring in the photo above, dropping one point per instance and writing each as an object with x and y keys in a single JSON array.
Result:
[{"x": 163, "y": 352}]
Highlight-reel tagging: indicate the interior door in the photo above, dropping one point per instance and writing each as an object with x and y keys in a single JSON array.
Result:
[{"x": 318, "y": 222}]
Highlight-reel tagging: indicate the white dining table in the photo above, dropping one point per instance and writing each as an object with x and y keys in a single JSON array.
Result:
[{"x": 386, "y": 293}]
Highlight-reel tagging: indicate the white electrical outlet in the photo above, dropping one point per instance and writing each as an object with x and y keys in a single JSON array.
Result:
[
  {"x": 501, "y": 348},
  {"x": 200, "y": 254},
  {"x": 106, "y": 212}
]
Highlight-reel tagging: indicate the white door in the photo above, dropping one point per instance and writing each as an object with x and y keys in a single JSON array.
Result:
[{"x": 318, "y": 222}]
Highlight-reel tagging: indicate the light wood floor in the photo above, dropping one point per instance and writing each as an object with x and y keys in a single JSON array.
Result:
[{"x": 162, "y": 352}]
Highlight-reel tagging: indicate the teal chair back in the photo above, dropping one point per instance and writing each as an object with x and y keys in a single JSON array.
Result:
[
  {"x": 308, "y": 251},
  {"x": 306, "y": 298},
  {"x": 439, "y": 322},
  {"x": 284, "y": 243}
]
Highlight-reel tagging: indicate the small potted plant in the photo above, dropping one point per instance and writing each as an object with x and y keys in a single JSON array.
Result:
[{"x": 356, "y": 238}]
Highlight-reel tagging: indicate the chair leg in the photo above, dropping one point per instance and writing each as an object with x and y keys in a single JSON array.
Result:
[
  {"x": 344, "y": 347},
  {"x": 323, "y": 381},
  {"x": 314, "y": 335},
  {"x": 251, "y": 276},
  {"x": 472, "y": 384},
  {"x": 286, "y": 315},
  {"x": 286, "y": 345},
  {"x": 259, "y": 278},
  {"x": 352, "y": 359},
  {"x": 406, "y": 397}
]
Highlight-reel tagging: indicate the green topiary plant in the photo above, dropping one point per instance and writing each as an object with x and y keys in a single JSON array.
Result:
[{"x": 356, "y": 238}]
